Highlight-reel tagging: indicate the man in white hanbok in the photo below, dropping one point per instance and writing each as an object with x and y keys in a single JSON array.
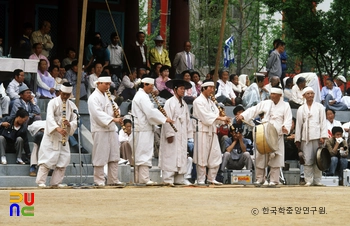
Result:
[
  {"x": 208, "y": 152},
  {"x": 103, "y": 129},
  {"x": 173, "y": 145},
  {"x": 54, "y": 153},
  {"x": 146, "y": 116},
  {"x": 310, "y": 131},
  {"x": 278, "y": 113}
]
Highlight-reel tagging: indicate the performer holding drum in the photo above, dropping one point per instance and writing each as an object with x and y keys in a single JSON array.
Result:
[
  {"x": 310, "y": 130},
  {"x": 279, "y": 115}
]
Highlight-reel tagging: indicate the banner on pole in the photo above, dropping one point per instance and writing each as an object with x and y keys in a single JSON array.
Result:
[{"x": 229, "y": 56}]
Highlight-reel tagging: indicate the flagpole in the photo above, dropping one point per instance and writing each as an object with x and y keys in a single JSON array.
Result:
[{"x": 222, "y": 31}]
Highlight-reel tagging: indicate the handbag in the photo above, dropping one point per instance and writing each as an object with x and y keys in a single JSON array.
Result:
[{"x": 9, "y": 134}]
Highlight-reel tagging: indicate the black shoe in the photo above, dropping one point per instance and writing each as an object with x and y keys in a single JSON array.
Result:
[{"x": 26, "y": 159}]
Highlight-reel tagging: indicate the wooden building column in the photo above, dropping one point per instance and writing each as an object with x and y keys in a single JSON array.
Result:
[
  {"x": 68, "y": 30},
  {"x": 179, "y": 26}
]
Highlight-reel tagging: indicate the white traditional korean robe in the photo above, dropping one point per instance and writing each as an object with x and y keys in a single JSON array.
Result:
[
  {"x": 278, "y": 115},
  {"x": 310, "y": 127},
  {"x": 146, "y": 116},
  {"x": 173, "y": 156},
  {"x": 52, "y": 153},
  {"x": 103, "y": 129},
  {"x": 208, "y": 152}
]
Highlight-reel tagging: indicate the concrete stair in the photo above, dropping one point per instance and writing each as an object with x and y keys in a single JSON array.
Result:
[{"x": 15, "y": 175}]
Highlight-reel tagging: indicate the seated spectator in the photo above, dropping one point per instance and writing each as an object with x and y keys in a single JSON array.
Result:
[
  {"x": 225, "y": 92},
  {"x": 4, "y": 102},
  {"x": 62, "y": 72},
  {"x": 297, "y": 96},
  {"x": 55, "y": 73},
  {"x": 195, "y": 77},
  {"x": 164, "y": 91},
  {"x": 72, "y": 77},
  {"x": 26, "y": 101},
  {"x": 114, "y": 86},
  {"x": 255, "y": 93},
  {"x": 288, "y": 89},
  {"x": 127, "y": 87},
  {"x": 36, "y": 129},
  {"x": 70, "y": 53},
  {"x": 93, "y": 77},
  {"x": 331, "y": 122},
  {"x": 55, "y": 61},
  {"x": 190, "y": 94},
  {"x": 155, "y": 72},
  {"x": 346, "y": 128},
  {"x": 331, "y": 96},
  {"x": 141, "y": 72},
  {"x": 45, "y": 82},
  {"x": 244, "y": 80},
  {"x": 13, "y": 87},
  {"x": 37, "y": 55},
  {"x": 274, "y": 82},
  {"x": 116, "y": 81},
  {"x": 13, "y": 136},
  {"x": 338, "y": 149},
  {"x": 124, "y": 138},
  {"x": 339, "y": 81},
  {"x": 236, "y": 155},
  {"x": 237, "y": 86}
]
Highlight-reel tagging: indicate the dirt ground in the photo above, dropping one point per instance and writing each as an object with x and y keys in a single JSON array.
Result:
[{"x": 224, "y": 205}]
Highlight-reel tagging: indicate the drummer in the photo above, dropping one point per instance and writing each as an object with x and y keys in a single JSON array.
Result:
[
  {"x": 278, "y": 113},
  {"x": 310, "y": 130}
]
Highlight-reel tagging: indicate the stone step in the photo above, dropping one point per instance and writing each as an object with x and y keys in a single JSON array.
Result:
[
  {"x": 74, "y": 158},
  {"x": 154, "y": 174},
  {"x": 23, "y": 170},
  {"x": 124, "y": 174}
]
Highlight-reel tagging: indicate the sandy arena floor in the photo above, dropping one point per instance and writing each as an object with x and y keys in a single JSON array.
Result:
[{"x": 225, "y": 205}]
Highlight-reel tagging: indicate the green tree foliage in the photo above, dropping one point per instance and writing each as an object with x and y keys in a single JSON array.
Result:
[
  {"x": 317, "y": 35},
  {"x": 148, "y": 17},
  {"x": 247, "y": 20}
]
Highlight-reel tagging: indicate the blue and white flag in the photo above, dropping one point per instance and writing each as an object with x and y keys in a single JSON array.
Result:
[{"x": 229, "y": 56}]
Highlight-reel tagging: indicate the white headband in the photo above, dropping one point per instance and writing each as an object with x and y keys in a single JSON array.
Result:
[
  {"x": 307, "y": 89},
  {"x": 276, "y": 90},
  {"x": 207, "y": 84},
  {"x": 66, "y": 89},
  {"x": 148, "y": 80},
  {"x": 103, "y": 79}
]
